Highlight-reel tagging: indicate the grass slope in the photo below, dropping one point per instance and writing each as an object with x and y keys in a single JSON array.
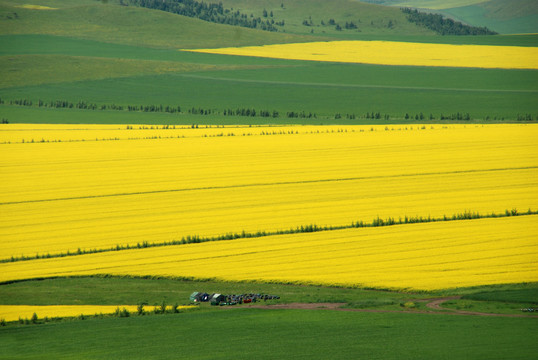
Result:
[
  {"x": 503, "y": 16},
  {"x": 115, "y": 290},
  {"x": 23, "y": 70},
  {"x": 269, "y": 334},
  {"x": 215, "y": 333},
  {"x": 112, "y": 23},
  {"x": 425, "y": 4},
  {"x": 325, "y": 89},
  {"x": 370, "y": 19},
  {"x": 86, "y": 65}
]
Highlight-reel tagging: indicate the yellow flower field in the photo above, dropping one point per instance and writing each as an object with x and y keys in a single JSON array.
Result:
[
  {"x": 14, "y": 312},
  {"x": 415, "y": 256},
  {"x": 395, "y": 53},
  {"x": 62, "y": 196}
]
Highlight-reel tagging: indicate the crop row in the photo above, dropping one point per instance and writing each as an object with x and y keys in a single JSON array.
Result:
[
  {"x": 422, "y": 256},
  {"x": 196, "y": 239}
]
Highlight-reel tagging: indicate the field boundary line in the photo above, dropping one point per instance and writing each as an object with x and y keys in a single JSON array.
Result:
[
  {"x": 361, "y": 86},
  {"x": 432, "y": 304},
  {"x": 237, "y": 186}
]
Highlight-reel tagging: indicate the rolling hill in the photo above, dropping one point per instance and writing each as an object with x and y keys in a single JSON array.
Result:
[
  {"x": 92, "y": 20},
  {"x": 502, "y": 16}
]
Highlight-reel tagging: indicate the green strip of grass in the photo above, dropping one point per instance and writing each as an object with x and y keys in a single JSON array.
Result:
[
  {"x": 270, "y": 334},
  {"x": 326, "y": 90}
]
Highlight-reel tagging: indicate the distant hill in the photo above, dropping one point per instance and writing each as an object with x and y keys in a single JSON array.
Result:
[
  {"x": 425, "y": 4},
  {"x": 335, "y": 18},
  {"x": 130, "y": 25},
  {"x": 502, "y": 16}
]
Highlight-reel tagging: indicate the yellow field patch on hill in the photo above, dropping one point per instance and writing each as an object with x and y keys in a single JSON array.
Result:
[
  {"x": 36, "y": 7},
  {"x": 414, "y": 256},
  {"x": 395, "y": 53}
]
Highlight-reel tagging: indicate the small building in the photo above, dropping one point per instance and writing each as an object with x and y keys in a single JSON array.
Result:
[
  {"x": 216, "y": 299},
  {"x": 195, "y": 296}
]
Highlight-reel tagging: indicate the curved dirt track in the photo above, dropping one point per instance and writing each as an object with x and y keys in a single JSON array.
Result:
[{"x": 433, "y": 304}]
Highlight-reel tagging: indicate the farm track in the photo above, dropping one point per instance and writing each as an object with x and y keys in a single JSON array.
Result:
[
  {"x": 360, "y": 86},
  {"x": 434, "y": 304},
  {"x": 238, "y": 186}
]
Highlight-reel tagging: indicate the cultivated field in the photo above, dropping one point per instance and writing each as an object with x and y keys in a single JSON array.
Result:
[
  {"x": 82, "y": 189},
  {"x": 396, "y": 53},
  {"x": 429, "y": 256},
  {"x": 16, "y": 312},
  {"x": 383, "y": 203}
]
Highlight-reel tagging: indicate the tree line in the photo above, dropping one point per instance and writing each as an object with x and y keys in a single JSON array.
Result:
[
  {"x": 444, "y": 26},
  {"x": 241, "y": 111},
  {"x": 210, "y": 12}
]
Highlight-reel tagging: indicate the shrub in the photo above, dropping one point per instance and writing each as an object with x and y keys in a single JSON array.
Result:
[{"x": 140, "y": 309}]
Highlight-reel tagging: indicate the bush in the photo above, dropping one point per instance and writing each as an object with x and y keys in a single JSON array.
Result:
[
  {"x": 125, "y": 313},
  {"x": 140, "y": 309}
]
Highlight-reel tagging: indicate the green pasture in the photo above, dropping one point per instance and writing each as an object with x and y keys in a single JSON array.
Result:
[
  {"x": 242, "y": 332},
  {"x": 116, "y": 290},
  {"x": 504, "y": 17},
  {"x": 111, "y": 23},
  {"x": 324, "y": 89},
  {"x": 508, "y": 299},
  {"x": 370, "y": 19},
  {"x": 426, "y": 4},
  {"x": 268, "y": 334},
  {"x": 60, "y": 68}
]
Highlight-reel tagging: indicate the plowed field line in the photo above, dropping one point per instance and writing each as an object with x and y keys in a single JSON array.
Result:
[
  {"x": 270, "y": 184},
  {"x": 360, "y": 86}
]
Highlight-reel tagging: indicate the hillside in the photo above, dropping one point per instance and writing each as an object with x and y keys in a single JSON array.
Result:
[
  {"x": 93, "y": 20},
  {"x": 314, "y": 16},
  {"x": 502, "y": 16},
  {"x": 425, "y": 4}
]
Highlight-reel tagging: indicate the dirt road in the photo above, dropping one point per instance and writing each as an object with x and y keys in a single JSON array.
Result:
[{"x": 433, "y": 304}]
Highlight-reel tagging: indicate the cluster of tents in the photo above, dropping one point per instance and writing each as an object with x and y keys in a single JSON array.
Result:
[{"x": 220, "y": 299}]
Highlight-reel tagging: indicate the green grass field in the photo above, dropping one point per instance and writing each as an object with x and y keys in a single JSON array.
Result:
[
  {"x": 268, "y": 334},
  {"x": 505, "y": 17},
  {"x": 241, "y": 332},
  {"x": 116, "y": 290},
  {"x": 324, "y": 89},
  {"x": 370, "y": 19}
]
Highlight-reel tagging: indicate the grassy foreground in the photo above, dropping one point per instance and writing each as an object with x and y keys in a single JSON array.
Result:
[
  {"x": 269, "y": 334},
  {"x": 221, "y": 333}
]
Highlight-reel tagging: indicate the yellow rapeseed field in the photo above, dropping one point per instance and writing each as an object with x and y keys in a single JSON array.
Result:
[
  {"x": 37, "y": 7},
  {"x": 395, "y": 53},
  {"x": 423, "y": 256},
  {"x": 61, "y": 196},
  {"x": 14, "y": 312}
]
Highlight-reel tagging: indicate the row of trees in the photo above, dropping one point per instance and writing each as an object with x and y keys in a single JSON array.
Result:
[
  {"x": 444, "y": 26},
  {"x": 211, "y": 12},
  {"x": 248, "y": 112}
]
